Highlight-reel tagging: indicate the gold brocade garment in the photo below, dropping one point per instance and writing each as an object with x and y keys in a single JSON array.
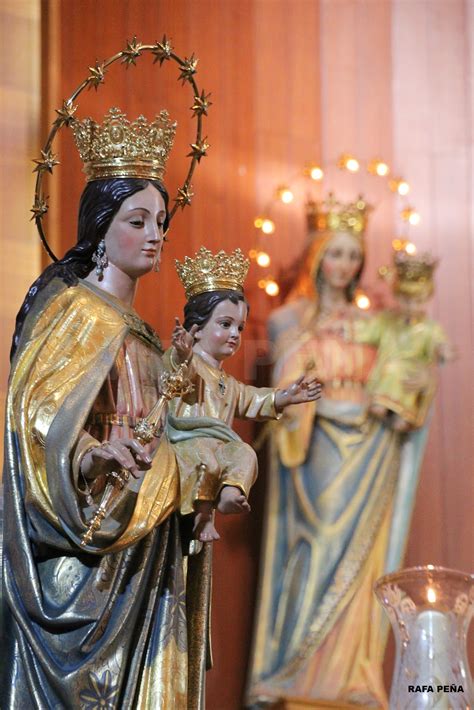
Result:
[
  {"x": 216, "y": 397},
  {"x": 105, "y": 625},
  {"x": 334, "y": 495}
]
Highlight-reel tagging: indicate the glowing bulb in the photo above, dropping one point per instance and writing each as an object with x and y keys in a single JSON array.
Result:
[
  {"x": 268, "y": 226},
  {"x": 397, "y": 244},
  {"x": 410, "y": 215},
  {"x": 285, "y": 195},
  {"x": 348, "y": 162},
  {"x": 315, "y": 172},
  {"x": 399, "y": 185},
  {"x": 262, "y": 283},
  {"x": 362, "y": 301},
  {"x": 263, "y": 259},
  {"x": 410, "y": 248},
  {"x": 258, "y": 221},
  {"x": 253, "y": 253},
  {"x": 431, "y": 595},
  {"x": 272, "y": 288},
  {"x": 378, "y": 167}
]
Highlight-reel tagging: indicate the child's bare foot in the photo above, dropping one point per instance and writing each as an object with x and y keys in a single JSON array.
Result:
[
  {"x": 232, "y": 500},
  {"x": 204, "y": 529},
  {"x": 378, "y": 411},
  {"x": 400, "y": 424}
]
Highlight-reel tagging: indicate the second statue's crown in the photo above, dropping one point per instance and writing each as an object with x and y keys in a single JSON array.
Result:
[
  {"x": 330, "y": 215},
  {"x": 120, "y": 148},
  {"x": 414, "y": 272},
  {"x": 213, "y": 272}
]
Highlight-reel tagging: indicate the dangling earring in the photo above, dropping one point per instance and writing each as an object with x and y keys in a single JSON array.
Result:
[{"x": 100, "y": 259}]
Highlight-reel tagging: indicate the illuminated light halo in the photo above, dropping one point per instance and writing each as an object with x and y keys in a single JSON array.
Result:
[
  {"x": 347, "y": 161},
  {"x": 272, "y": 288},
  {"x": 399, "y": 185},
  {"x": 263, "y": 259},
  {"x": 314, "y": 171},
  {"x": 378, "y": 167},
  {"x": 409, "y": 214},
  {"x": 162, "y": 51},
  {"x": 284, "y": 194},
  {"x": 362, "y": 301},
  {"x": 268, "y": 226}
]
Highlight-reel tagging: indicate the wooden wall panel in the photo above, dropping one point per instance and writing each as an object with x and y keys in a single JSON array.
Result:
[
  {"x": 433, "y": 100},
  {"x": 19, "y": 130}
]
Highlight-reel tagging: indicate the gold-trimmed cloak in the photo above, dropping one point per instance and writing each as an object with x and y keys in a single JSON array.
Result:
[{"x": 106, "y": 625}]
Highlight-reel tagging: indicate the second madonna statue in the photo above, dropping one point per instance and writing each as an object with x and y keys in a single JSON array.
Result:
[{"x": 341, "y": 490}]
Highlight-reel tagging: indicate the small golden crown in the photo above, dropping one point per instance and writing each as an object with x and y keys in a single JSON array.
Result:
[
  {"x": 414, "y": 268},
  {"x": 120, "y": 148},
  {"x": 209, "y": 272},
  {"x": 333, "y": 216}
]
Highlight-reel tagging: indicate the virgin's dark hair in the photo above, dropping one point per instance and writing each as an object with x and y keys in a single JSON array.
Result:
[
  {"x": 99, "y": 203},
  {"x": 198, "y": 309}
]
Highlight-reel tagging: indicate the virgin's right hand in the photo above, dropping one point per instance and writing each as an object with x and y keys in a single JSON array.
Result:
[{"x": 126, "y": 454}]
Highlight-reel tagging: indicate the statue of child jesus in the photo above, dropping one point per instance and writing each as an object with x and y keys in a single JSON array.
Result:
[
  {"x": 401, "y": 386},
  {"x": 216, "y": 467}
]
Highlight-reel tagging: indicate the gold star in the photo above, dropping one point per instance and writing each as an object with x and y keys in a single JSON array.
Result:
[
  {"x": 40, "y": 207},
  {"x": 47, "y": 163},
  {"x": 132, "y": 51},
  {"x": 65, "y": 113},
  {"x": 199, "y": 149},
  {"x": 97, "y": 75},
  {"x": 188, "y": 68},
  {"x": 162, "y": 50},
  {"x": 185, "y": 196},
  {"x": 201, "y": 104}
]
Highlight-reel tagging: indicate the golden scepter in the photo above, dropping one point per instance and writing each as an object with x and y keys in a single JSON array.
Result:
[{"x": 172, "y": 384}]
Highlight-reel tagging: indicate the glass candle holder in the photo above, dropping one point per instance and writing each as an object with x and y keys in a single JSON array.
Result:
[{"x": 430, "y": 609}]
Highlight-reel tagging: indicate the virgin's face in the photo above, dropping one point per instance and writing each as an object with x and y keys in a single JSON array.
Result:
[
  {"x": 134, "y": 238},
  {"x": 341, "y": 261},
  {"x": 221, "y": 336}
]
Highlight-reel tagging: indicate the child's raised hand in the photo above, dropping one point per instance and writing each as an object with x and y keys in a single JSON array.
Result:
[
  {"x": 446, "y": 352},
  {"x": 183, "y": 340},
  {"x": 303, "y": 390}
]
